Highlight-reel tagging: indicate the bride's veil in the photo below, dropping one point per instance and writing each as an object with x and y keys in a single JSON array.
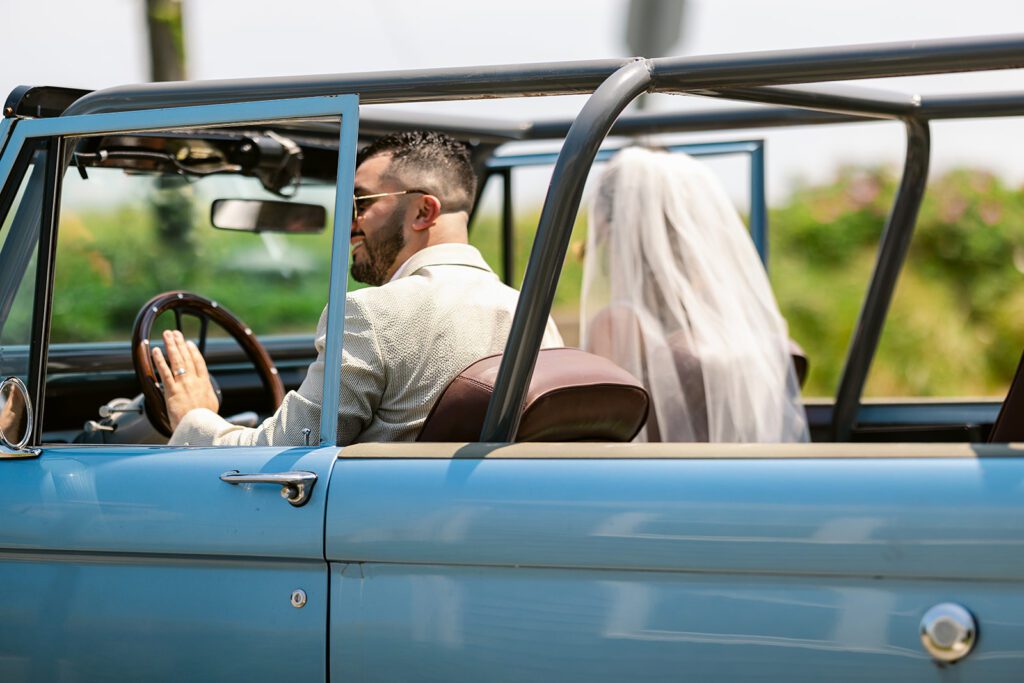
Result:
[{"x": 674, "y": 292}]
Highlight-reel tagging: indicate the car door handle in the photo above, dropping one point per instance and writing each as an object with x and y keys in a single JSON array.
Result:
[{"x": 296, "y": 487}]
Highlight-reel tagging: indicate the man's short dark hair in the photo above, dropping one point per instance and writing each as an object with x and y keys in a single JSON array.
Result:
[{"x": 430, "y": 161}]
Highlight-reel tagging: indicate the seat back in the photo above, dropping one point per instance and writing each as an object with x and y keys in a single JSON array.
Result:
[
  {"x": 1009, "y": 425},
  {"x": 573, "y": 396},
  {"x": 688, "y": 368}
]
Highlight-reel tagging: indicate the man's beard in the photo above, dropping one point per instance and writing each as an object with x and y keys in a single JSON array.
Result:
[{"x": 379, "y": 254}]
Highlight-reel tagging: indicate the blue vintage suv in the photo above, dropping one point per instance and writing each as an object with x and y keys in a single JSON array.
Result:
[{"x": 889, "y": 548}]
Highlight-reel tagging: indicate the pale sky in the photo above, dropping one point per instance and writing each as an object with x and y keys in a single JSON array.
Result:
[{"x": 100, "y": 43}]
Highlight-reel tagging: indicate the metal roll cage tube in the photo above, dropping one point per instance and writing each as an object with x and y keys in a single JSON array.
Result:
[
  {"x": 850, "y": 62},
  {"x": 617, "y": 82},
  {"x": 932, "y": 107},
  {"x": 552, "y": 241},
  {"x": 679, "y": 74},
  {"x": 892, "y": 252},
  {"x": 527, "y": 328},
  {"x": 891, "y": 256},
  {"x": 871, "y": 104},
  {"x": 981, "y": 105}
]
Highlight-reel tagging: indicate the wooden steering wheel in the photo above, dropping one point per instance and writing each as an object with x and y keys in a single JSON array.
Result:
[{"x": 205, "y": 310}]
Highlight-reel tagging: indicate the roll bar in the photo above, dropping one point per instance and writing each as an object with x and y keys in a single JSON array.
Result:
[
  {"x": 931, "y": 108},
  {"x": 678, "y": 74},
  {"x": 549, "y": 247},
  {"x": 595, "y": 121},
  {"x": 892, "y": 252}
]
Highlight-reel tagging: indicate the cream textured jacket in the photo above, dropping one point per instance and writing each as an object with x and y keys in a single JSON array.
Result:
[{"x": 404, "y": 342}]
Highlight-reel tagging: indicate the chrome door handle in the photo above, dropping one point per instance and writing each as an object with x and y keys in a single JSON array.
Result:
[{"x": 296, "y": 487}]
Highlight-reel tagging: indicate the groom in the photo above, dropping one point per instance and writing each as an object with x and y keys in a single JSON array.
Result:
[{"x": 436, "y": 308}]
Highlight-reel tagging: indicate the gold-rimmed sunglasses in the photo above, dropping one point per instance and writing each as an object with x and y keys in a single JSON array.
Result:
[{"x": 356, "y": 212}]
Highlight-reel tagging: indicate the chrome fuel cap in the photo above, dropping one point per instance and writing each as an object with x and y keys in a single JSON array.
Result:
[{"x": 948, "y": 632}]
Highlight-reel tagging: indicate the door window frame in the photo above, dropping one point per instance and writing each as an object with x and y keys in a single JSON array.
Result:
[{"x": 20, "y": 132}]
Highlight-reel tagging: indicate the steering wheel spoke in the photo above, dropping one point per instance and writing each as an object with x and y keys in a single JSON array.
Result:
[
  {"x": 204, "y": 326},
  {"x": 188, "y": 303}
]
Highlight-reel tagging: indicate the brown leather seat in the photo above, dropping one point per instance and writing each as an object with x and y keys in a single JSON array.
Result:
[
  {"x": 573, "y": 396},
  {"x": 1009, "y": 425}
]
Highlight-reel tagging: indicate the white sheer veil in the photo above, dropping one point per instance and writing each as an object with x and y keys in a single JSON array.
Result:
[{"x": 674, "y": 292}]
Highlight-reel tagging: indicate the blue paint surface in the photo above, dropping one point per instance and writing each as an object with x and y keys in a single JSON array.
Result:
[
  {"x": 956, "y": 518},
  {"x": 445, "y": 623},
  {"x": 123, "y": 618},
  {"x": 700, "y": 569},
  {"x": 160, "y": 501},
  {"x": 140, "y": 564}
]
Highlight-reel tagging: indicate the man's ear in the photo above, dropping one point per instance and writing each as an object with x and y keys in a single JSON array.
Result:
[{"x": 428, "y": 208}]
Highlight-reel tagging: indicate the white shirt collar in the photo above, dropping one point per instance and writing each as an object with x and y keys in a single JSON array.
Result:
[
  {"x": 401, "y": 270},
  {"x": 449, "y": 253}
]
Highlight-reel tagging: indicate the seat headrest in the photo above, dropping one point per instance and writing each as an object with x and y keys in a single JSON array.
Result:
[{"x": 573, "y": 396}]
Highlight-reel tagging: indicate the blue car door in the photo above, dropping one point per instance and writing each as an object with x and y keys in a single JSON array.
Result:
[
  {"x": 675, "y": 562},
  {"x": 149, "y": 562},
  {"x": 142, "y": 564}
]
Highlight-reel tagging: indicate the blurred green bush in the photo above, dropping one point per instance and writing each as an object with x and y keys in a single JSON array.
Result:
[{"x": 955, "y": 327}]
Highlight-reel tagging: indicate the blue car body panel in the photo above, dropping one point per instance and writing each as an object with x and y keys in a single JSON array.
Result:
[
  {"x": 955, "y": 518},
  {"x": 448, "y": 623},
  {"x": 142, "y": 564},
  {"x": 634, "y": 569}
]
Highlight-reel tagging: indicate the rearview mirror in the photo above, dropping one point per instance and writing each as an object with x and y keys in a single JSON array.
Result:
[
  {"x": 257, "y": 215},
  {"x": 15, "y": 414}
]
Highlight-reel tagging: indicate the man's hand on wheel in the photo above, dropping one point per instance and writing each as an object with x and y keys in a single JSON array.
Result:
[{"x": 186, "y": 381}]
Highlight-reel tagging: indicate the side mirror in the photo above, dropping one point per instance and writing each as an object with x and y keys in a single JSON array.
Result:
[
  {"x": 16, "y": 419},
  {"x": 257, "y": 215}
]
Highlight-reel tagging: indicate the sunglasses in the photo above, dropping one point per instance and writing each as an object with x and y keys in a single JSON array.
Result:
[{"x": 357, "y": 212}]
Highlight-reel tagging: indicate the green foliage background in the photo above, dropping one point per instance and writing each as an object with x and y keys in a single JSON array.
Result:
[{"x": 956, "y": 326}]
